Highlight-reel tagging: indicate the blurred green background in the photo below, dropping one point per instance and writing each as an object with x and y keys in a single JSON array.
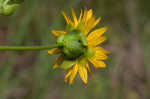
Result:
[{"x": 29, "y": 75}]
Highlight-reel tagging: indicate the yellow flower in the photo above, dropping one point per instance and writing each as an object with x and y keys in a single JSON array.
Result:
[{"x": 94, "y": 53}]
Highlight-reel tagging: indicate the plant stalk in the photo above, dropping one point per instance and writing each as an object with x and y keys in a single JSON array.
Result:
[{"x": 27, "y": 48}]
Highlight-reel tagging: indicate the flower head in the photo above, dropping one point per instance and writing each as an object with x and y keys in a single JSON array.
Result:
[{"x": 79, "y": 45}]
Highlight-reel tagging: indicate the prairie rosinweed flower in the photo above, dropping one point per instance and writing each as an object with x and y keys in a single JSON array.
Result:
[{"x": 79, "y": 45}]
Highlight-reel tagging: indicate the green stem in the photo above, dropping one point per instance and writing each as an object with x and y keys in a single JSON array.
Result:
[{"x": 26, "y": 48}]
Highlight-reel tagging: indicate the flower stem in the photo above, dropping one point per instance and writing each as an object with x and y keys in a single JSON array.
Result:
[{"x": 27, "y": 48}]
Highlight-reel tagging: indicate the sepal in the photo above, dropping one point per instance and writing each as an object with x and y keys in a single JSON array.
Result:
[{"x": 67, "y": 64}]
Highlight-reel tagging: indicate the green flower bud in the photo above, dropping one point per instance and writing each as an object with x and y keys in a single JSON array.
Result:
[
  {"x": 7, "y": 7},
  {"x": 72, "y": 44}
]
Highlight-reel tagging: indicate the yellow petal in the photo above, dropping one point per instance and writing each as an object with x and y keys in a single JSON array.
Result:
[
  {"x": 68, "y": 73},
  {"x": 73, "y": 74},
  {"x": 89, "y": 14},
  {"x": 99, "y": 55},
  {"x": 88, "y": 67},
  {"x": 67, "y": 18},
  {"x": 80, "y": 17},
  {"x": 54, "y": 51},
  {"x": 85, "y": 15},
  {"x": 58, "y": 62},
  {"x": 83, "y": 74},
  {"x": 74, "y": 17},
  {"x": 97, "y": 64},
  {"x": 88, "y": 26},
  {"x": 97, "y": 21},
  {"x": 96, "y": 33},
  {"x": 101, "y": 49},
  {"x": 58, "y": 32},
  {"x": 91, "y": 23},
  {"x": 97, "y": 41}
]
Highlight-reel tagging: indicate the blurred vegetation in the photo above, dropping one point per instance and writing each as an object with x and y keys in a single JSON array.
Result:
[{"x": 29, "y": 75}]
